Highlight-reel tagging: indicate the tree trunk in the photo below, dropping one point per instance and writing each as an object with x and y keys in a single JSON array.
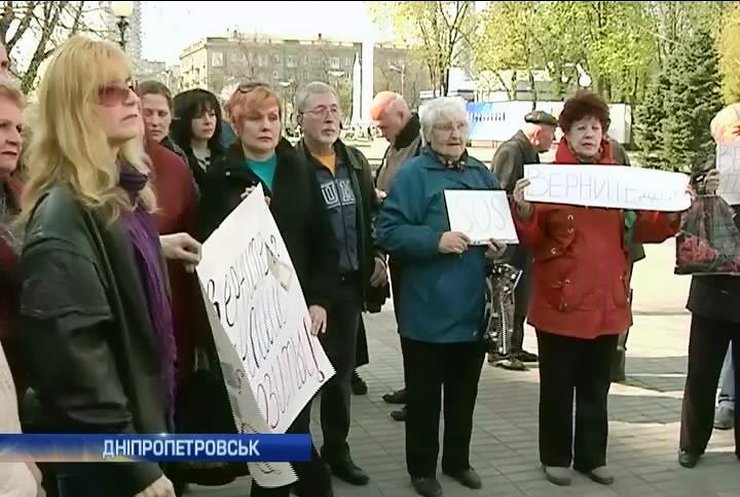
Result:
[
  {"x": 514, "y": 92},
  {"x": 533, "y": 88},
  {"x": 446, "y": 82}
]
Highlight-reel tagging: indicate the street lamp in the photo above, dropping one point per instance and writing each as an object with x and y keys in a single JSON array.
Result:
[{"x": 122, "y": 10}]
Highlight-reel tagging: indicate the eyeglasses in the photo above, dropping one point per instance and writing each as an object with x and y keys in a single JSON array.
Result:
[
  {"x": 450, "y": 127},
  {"x": 323, "y": 111},
  {"x": 112, "y": 95},
  {"x": 252, "y": 85}
]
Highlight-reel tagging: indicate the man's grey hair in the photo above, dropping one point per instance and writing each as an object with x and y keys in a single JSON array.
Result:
[
  {"x": 438, "y": 110},
  {"x": 313, "y": 88}
]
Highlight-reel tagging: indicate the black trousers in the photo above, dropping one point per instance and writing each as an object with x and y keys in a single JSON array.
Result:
[
  {"x": 362, "y": 354},
  {"x": 522, "y": 296},
  {"x": 313, "y": 477},
  {"x": 428, "y": 367},
  {"x": 708, "y": 344},
  {"x": 582, "y": 367},
  {"x": 340, "y": 345}
]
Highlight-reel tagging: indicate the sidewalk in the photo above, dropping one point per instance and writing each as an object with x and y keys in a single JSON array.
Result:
[{"x": 644, "y": 413}]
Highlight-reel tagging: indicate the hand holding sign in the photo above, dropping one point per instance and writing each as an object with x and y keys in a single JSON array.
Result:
[
  {"x": 525, "y": 208},
  {"x": 453, "y": 242}
]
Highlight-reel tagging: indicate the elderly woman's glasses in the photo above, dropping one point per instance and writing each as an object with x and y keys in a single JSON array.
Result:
[
  {"x": 112, "y": 95},
  {"x": 449, "y": 128}
]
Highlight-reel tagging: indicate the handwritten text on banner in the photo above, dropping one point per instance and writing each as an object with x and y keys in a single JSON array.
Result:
[
  {"x": 481, "y": 215},
  {"x": 248, "y": 276},
  {"x": 619, "y": 187}
]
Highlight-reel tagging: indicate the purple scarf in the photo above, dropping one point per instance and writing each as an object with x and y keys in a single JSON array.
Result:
[{"x": 148, "y": 253}]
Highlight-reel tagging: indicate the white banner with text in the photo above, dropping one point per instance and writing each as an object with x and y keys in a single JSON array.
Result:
[
  {"x": 617, "y": 187},
  {"x": 481, "y": 215}
]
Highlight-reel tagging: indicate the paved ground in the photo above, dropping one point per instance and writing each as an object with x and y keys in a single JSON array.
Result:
[{"x": 644, "y": 415}]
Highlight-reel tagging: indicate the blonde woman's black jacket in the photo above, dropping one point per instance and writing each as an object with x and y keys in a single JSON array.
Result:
[
  {"x": 85, "y": 326},
  {"x": 296, "y": 205}
]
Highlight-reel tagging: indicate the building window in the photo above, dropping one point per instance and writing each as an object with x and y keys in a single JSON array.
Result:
[
  {"x": 276, "y": 58},
  {"x": 217, "y": 59},
  {"x": 306, "y": 75},
  {"x": 275, "y": 74},
  {"x": 334, "y": 62},
  {"x": 348, "y": 61},
  {"x": 291, "y": 62}
]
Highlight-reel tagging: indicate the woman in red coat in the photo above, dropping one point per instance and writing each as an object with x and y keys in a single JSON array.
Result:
[{"x": 580, "y": 301}]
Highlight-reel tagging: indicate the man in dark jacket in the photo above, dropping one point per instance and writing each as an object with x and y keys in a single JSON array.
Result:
[
  {"x": 715, "y": 317},
  {"x": 401, "y": 128},
  {"x": 347, "y": 187},
  {"x": 637, "y": 253},
  {"x": 535, "y": 137}
]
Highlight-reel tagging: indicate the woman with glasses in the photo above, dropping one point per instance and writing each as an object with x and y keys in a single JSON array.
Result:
[
  {"x": 261, "y": 157},
  {"x": 443, "y": 287},
  {"x": 197, "y": 129},
  {"x": 94, "y": 307}
]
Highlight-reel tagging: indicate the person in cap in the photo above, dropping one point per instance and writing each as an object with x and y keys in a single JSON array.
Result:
[{"x": 534, "y": 138}]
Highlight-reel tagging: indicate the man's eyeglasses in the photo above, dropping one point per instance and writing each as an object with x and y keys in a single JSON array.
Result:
[
  {"x": 322, "y": 110},
  {"x": 112, "y": 95}
]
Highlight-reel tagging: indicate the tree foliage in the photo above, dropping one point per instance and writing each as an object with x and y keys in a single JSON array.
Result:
[
  {"x": 42, "y": 26},
  {"x": 439, "y": 32}
]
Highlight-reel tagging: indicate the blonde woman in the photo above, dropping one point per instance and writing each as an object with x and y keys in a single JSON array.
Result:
[{"x": 94, "y": 310}]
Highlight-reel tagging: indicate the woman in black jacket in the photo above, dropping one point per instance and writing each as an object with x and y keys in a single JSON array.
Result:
[
  {"x": 196, "y": 129},
  {"x": 262, "y": 157}
]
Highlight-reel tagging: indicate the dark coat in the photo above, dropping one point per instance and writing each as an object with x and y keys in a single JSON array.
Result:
[
  {"x": 90, "y": 346},
  {"x": 296, "y": 204},
  {"x": 368, "y": 205},
  {"x": 9, "y": 292},
  {"x": 713, "y": 296},
  {"x": 509, "y": 159},
  {"x": 177, "y": 202}
]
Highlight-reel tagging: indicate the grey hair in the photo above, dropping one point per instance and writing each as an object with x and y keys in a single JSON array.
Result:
[
  {"x": 313, "y": 88},
  {"x": 438, "y": 109}
]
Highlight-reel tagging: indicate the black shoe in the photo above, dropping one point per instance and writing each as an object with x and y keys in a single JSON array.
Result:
[
  {"x": 359, "y": 387},
  {"x": 525, "y": 356},
  {"x": 467, "y": 478},
  {"x": 397, "y": 397},
  {"x": 399, "y": 415},
  {"x": 687, "y": 459},
  {"x": 512, "y": 364},
  {"x": 427, "y": 487},
  {"x": 348, "y": 471}
]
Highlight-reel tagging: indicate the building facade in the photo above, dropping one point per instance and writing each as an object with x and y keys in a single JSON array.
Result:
[{"x": 287, "y": 64}]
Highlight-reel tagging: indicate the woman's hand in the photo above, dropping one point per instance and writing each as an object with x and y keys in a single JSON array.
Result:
[
  {"x": 711, "y": 182},
  {"x": 453, "y": 242},
  {"x": 496, "y": 249},
  {"x": 162, "y": 487},
  {"x": 248, "y": 191},
  {"x": 318, "y": 319},
  {"x": 182, "y": 247},
  {"x": 524, "y": 207}
]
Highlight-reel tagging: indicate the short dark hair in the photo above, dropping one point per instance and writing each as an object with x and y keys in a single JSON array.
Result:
[
  {"x": 187, "y": 106},
  {"x": 584, "y": 104},
  {"x": 154, "y": 88}
]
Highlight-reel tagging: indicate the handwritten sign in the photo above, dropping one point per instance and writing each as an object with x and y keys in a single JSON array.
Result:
[
  {"x": 728, "y": 163},
  {"x": 247, "y": 416},
  {"x": 249, "y": 278},
  {"x": 618, "y": 187},
  {"x": 481, "y": 215}
]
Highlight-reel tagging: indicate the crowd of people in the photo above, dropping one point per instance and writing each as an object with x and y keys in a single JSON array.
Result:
[{"x": 115, "y": 186}]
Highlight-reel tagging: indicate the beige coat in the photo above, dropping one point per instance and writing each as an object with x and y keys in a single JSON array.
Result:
[{"x": 17, "y": 479}]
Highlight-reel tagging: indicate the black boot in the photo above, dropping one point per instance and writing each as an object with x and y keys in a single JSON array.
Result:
[
  {"x": 359, "y": 387},
  {"x": 618, "y": 365}
]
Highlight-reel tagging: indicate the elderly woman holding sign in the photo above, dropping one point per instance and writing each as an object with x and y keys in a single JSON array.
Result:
[
  {"x": 441, "y": 314},
  {"x": 580, "y": 301}
]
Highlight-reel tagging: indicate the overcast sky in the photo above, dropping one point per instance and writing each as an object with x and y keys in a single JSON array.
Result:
[{"x": 168, "y": 27}]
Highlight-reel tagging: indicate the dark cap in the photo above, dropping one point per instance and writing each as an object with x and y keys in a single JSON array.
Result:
[{"x": 541, "y": 117}]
